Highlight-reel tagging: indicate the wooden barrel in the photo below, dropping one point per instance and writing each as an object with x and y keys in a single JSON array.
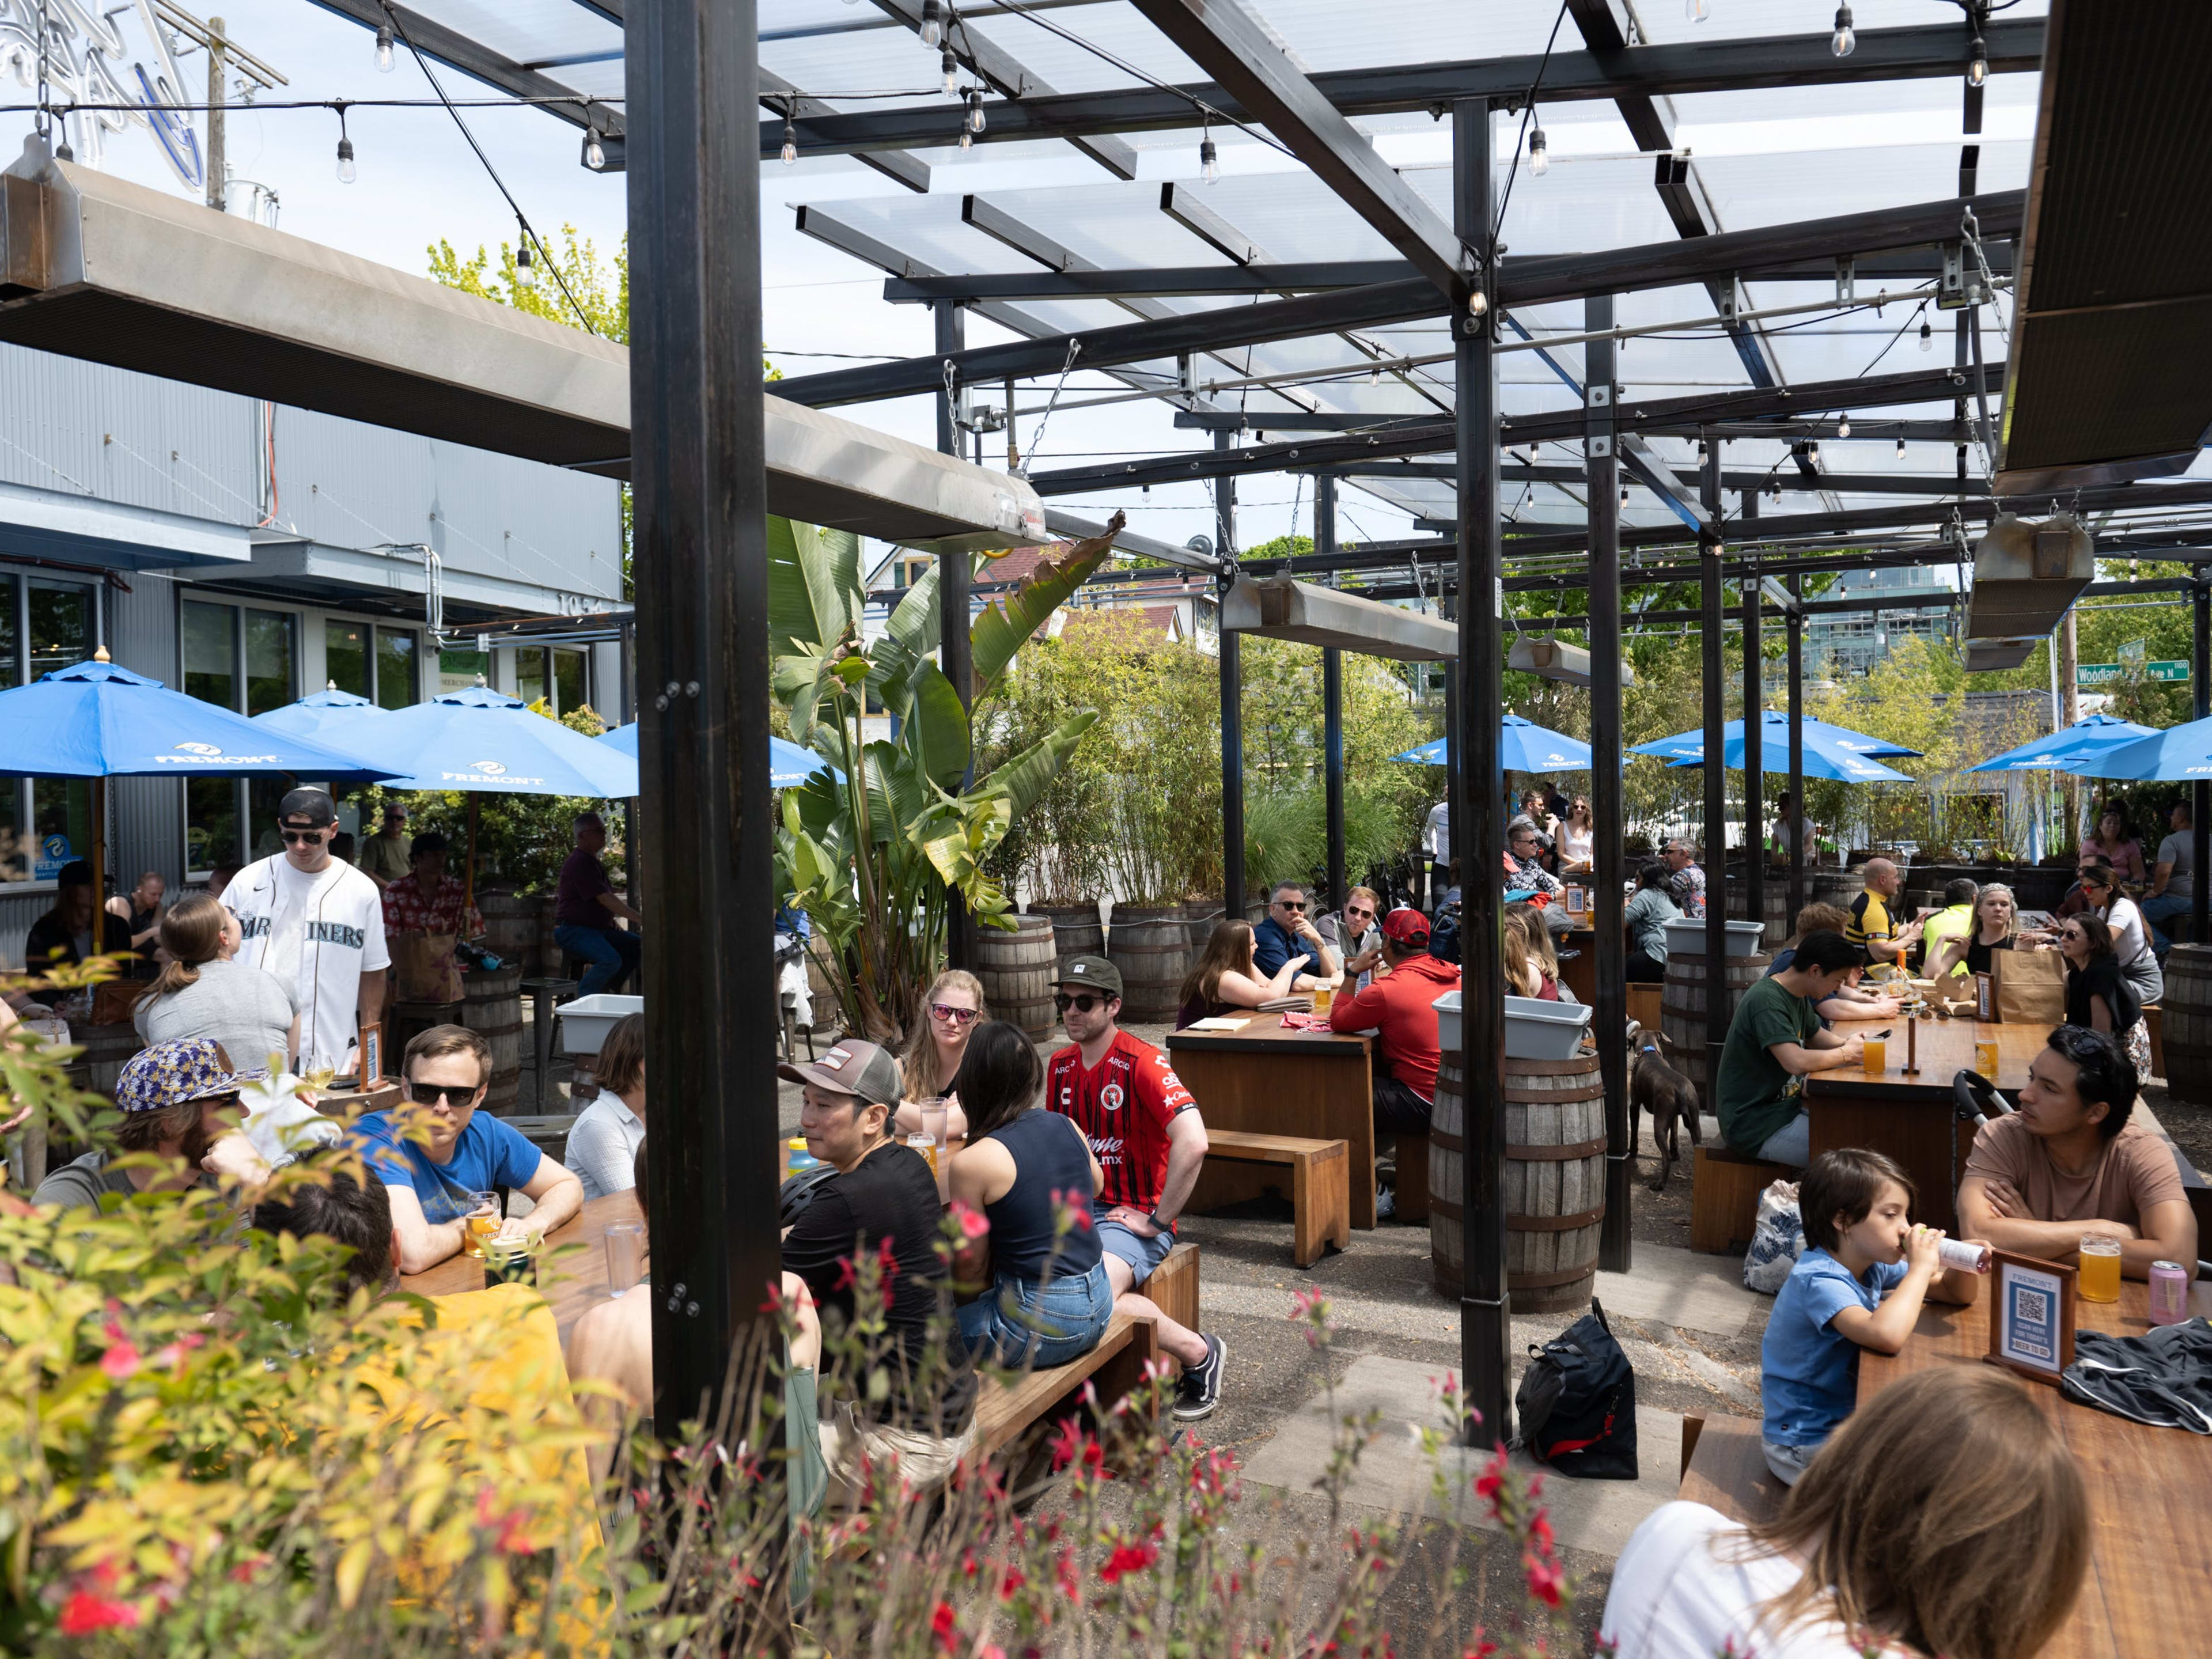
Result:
[
  {"x": 1201, "y": 914},
  {"x": 1151, "y": 944},
  {"x": 1774, "y": 902},
  {"x": 491, "y": 1006},
  {"x": 1018, "y": 970},
  {"x": 1554, "y": 1181},
  {"x": 512, "y": 930},
  {"x": 2186, "y": 1023},
  {"x": 1076, "y": 929},
  {"x": 1682, "y": 1011},
  {"x": 1837, "y": 887},
  {"x": 403, "y": 1021},
  {"x": 108, "y": 1048},
  {"x": 829, "y": 1012}
]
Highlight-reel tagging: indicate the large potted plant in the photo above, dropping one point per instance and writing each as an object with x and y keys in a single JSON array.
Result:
[{"x": 877, "y": 855}]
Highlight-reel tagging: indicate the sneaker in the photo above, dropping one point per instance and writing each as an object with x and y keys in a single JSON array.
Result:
[
  {"x": 1199, "y": 1391},
  {"x": 1386, "y": 1203}
]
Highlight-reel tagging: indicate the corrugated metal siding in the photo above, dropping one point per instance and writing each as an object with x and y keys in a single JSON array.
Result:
[{"x": 146, "y": 816}]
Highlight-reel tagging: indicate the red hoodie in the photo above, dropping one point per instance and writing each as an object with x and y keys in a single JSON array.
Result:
[{"x": 1398, "y": 1003}]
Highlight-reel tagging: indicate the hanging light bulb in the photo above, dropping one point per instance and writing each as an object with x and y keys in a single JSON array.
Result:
[
  {"x": 790, "y": 144},
  {"x": 526, "y": 266},
  {"x": 975, "y": 109},
  {"x": 595, "y": 153},
  {"x": 1927, "y": 338},
  {"x": 1774, "y": 491},
  {"x": 1846, "y": 39},
  {"x": 347, "y": 172},
  {"x": 1624, "y": 494},
  {"x": 967, "y": 138},
  {"x": 1701, "y": 449},
  {"x": 1978, "y": 71},
  {"x": 1539, "y": 154},
  {"x": 1843, "y": 426},
  {"x": 1375, "y": 374},
  {"x": 1209, "y": 160},
  {"x": 1697, "y": 10},
  {"x": 933, "y": 22},
  {"x": 1478, "y": 303},
  {"x": 1900, "y": 446},
  {"x": 384, "y": 48},
  {"x": 950, "y": 65}
]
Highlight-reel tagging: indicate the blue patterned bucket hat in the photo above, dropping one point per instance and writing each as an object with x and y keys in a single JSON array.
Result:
[{"x": 171, "y": 1074}]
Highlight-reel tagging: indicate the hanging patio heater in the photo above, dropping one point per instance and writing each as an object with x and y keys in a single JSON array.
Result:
[
  {"x": 1280, "y": 608},
  {"x": 2027, "y": 573}
]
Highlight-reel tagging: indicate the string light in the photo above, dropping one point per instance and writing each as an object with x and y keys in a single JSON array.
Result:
[
  {"x": 1375, "y": 374},
  {"x": 1978, "y": 71},
  {"x": 1540, "y": 155},
  {"x": 526, "y": 267},
  {"x": 975, "y": 109},
  {"x": 1478, "y": 303},
  {"x": 347, "y": 172},
  {"x": 1843, "y": 426},
  {"x": 595, "y": 153},
  {"x": 1624, "y": 494},
  {"x": 1846, "y": 39},
  {"x": 384, "y": 48},
  {"x": 1927, "y": 336},
  {"x": 1900, "y": 446},
  {"x": 933, "y": 22},
  {"x": 790, "y": 141},
  {"x": 1209, "y": 158},
  {"x": 950, "y": 65},
  {"x": 1697, "y": 10}
]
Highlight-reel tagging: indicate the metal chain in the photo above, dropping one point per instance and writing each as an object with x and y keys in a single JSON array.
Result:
[
  {"x": 45, "y": 122},
  {"x": 1036, "y": 441}
]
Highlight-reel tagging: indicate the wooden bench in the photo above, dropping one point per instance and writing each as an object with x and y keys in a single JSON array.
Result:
[
  {"x": 1320, "y": 1192},
  {"x": 1725, "y": 1189},
  {"x": 2153, "y": 1021},
  {"x": 1412, "y": 1192},
  {"x": 1006, "y": 1412},
  {"x": 1724, "y": 1468},
  {"x": 1643, "y": 1005}
]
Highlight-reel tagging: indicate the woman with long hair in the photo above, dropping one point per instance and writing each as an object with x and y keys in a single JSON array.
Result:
[
  {"x": 1946, "y": 1517},
  {"x": 2130, "y": 933},
  {"x": 1227, "y": 977},
  {"x": 1522, "y": 977},
  {"x": 2098, "y": 992},
  {"x": 1997, "y": 925},
  {"x": 2116, "y": 840},
  {"x": 930, "y": 1060},
  {"x": 1578, "y": 837},
  {"x": 1032, "y": 1175},
  {"x": 201, "y": 993},
  {"x": 1543, "y": 952}
]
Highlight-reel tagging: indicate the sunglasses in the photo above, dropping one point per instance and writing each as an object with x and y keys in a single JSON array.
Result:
[
  {"x": 1082, "y": 1005},
  {"x": 302, "y": 837},
  {"x": 429, "y": 1094},
  {"x": 1290, "y": 904},
  {"x": 1354, "y": 910},
  {"x": 952, "y": 1016}
]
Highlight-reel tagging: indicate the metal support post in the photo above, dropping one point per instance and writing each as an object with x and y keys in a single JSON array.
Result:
[
  {"x": 1232, "y": 703},
  {"x": 700, "y": 511},
  {"x": 1477, "y": 814},
  {"x": 1799, "y": 861},
  {"x": 1616, "y": 1247},
  {"x": 217, "y": 58},
  {"x": 1332, "y": 706},
  {"x": 1754, "y": 760},
  {"x": 2200, "y": 792},
  {"x": 1449, "y": 609},
  {"x": 1715, "y": 665},
  {"x": 952, "y": 569}
]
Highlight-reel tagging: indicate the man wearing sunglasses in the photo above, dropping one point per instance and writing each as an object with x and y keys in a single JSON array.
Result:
[
  {"x": 1354, "y": 936},
  {"x": 1286, "y": 933},
  {"x": 438, "y": 1155},
  {"x": 318, "y": 925},
  {"x": 1146, "y": 1132}
]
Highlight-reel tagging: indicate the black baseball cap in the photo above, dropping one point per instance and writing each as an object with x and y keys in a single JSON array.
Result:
[{"x": 306, "y": 809}]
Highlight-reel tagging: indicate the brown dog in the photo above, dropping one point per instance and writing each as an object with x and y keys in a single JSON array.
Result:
[{"x": 1659, "y": 1089}]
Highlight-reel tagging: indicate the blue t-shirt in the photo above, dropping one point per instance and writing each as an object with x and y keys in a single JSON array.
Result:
[
  {"x": 490, "y": 1153},
  {"x": 1810, "y": 1371},
  {"x": 1273, "y": 945}
]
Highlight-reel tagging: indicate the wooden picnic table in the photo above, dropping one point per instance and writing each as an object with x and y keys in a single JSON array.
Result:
[
  {"x": 1268, "y": 1079},
  {"x": 570, "y": 1285},
  {"x": 2150, "y": 1490},
  {"x": 1912, "y": 1118}
]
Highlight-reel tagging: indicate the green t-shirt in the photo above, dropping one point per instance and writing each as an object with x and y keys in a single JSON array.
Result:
[{"x": 1756, "y": 1096}]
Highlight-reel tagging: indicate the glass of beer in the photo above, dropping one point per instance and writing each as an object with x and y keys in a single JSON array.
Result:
[
  {"x": 1876, "y": 1055},
  {"x": 1323, "y": 995},
  {"x": 1985, "y": 1057},
  {"x": 625, "y": 1255},
  {"x": 483, "y": 1221},
  {"x": 2099, "y": 1261}
]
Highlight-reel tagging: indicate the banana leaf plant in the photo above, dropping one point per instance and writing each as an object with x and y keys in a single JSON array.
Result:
[{"x": 877, "y": 855}]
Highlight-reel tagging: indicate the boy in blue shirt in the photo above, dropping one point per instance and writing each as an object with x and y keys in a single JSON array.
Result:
[
  {"x": 1860, "y": 1284},
  {"x": 435, "y": 1155}
]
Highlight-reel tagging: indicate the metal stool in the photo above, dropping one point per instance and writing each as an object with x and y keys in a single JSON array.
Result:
[{"x": 543, "y": 993}]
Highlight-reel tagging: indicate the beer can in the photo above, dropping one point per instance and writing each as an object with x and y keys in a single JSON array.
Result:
[
  {"x": 2169, "y": 1293},
  {"x": 1958, "y": 1253},
  {"x": 1985, "y": 1057}
]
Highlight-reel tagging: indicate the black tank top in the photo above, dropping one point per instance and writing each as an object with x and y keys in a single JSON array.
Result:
[{"x": 1050, "y": 1155}]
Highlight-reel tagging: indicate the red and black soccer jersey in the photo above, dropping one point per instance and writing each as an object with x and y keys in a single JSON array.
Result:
[{"x": 1123, "y": 1105}]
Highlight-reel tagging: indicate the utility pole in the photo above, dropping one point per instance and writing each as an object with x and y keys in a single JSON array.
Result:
[{"x": 217, "y": 56}]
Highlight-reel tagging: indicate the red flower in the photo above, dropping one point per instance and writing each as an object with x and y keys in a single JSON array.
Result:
[
  {"x": 973, "y": 1223},
  {"x": 1539, "y": 1531},
  {"x": 1127, "y": 1558},
  {"x": 121, "y": 1358},
  {"x": 1010, "y": 1585},
  {"x": 944, "y": 1624},
  {"x": 85, "y": 1613},
  {"x": 1073, "y": 1445},
  {"x": 1491, "y": 1481},
  {"x": 845, "y": 1277},
  {"x": 1546, "y": 1580},
  {"x": 1481, "y": 1647}
]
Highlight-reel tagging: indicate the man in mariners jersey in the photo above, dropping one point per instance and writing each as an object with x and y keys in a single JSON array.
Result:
[
  {"x": 318, "y": 925},
  {"x": 1149, "y": 1139}
]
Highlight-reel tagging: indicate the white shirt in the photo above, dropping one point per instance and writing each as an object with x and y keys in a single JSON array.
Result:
[
  {"x": 2129, "y": 943},
  {"x": 1576, "y": 845},
  {"x": 1678, "y": 1592},
  {"x": 1436, "y": 840},
  {"x": 603, "y": 1145},
  {"x": 319, "y": 934}
]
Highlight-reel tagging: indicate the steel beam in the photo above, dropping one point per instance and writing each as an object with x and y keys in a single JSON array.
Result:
[
  {"x": 1715, "y": 781},
  {"x": 1668, "y": 70},
  {"x": 1332, "y": 709},
  {"x": 1798, "y": 862},
  {"x": 703, "y": 659},
  {"x": 1754, "y": 734},
  {"x": 457, "y": 51},
  {"x": 1942, "y": 486},
  {"x": 1232, "y": 704},
  {"x": 1616, "y": 1246},
  {"x": 1551, "y": 277},
  {"x": 779, "y": 94},
  {"x": 953, "y": 654},
  {"x": 1478, "y": 829}
]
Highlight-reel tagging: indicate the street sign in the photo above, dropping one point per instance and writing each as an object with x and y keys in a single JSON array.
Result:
[{"x": 2105, "y": 673}]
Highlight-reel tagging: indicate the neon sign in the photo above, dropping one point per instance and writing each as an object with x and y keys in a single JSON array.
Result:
[{"x": 88, "y": 61}]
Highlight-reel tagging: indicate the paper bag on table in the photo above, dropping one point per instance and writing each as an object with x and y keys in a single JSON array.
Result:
[
  {"x": 2028, "y": 987},
  {"x": 425, "y": 968}
]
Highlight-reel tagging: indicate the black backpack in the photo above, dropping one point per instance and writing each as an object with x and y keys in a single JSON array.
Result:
[{"x": 1577, "y": 1402}]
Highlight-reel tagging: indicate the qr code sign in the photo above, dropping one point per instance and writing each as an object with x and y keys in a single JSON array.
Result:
[{"x": 2034, "y": 1306}]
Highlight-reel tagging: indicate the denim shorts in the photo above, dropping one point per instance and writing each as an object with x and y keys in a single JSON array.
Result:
[
  {"x": 1143, "y": 1254},
  {"x": 1028, "y": 1321}
]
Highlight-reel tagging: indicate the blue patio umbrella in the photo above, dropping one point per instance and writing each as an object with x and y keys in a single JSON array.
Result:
[
  {"x": 481, "y": 742},
  {"x": 2092, "y": 735},
  {"x": 1834, "y": 745},
  {"x": 1523, "y": 747},
  {"x": 318, "y": 714},
  {"x": 2180, "y": 753},
  {"x": 788, "y": 765}
]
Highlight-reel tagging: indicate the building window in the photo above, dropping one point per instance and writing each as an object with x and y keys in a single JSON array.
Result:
[
  {"x": 560, "y": 679},
  {"x": 458, "y": 670},
  {"x": 44, "y": 821},
  {"x": 247, "y": 661},
  {"x": 376, "y": 663},
  {"x": 395, "y": 668}
]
